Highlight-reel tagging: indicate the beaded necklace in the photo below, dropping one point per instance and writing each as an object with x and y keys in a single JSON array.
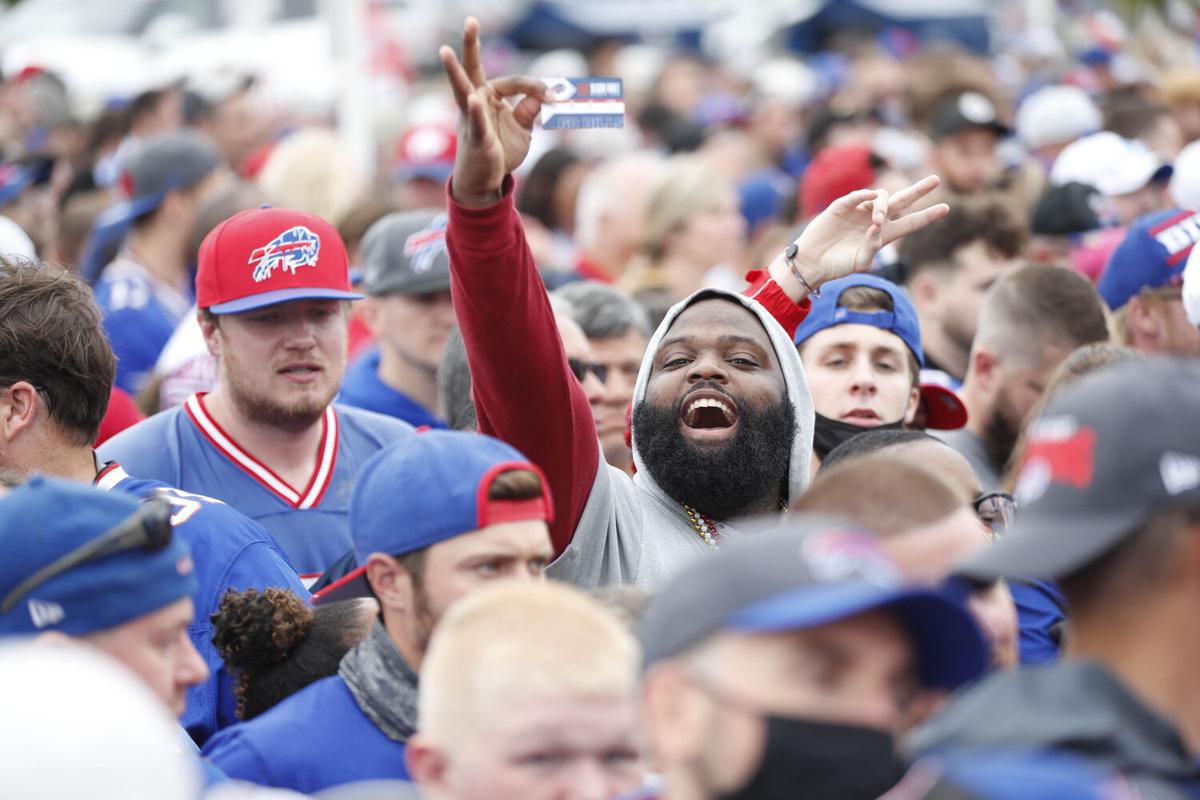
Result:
[{"x": 703, "y": 525}]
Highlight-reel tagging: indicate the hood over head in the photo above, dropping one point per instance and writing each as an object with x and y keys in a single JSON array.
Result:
[{"x": 793, "y": 376}]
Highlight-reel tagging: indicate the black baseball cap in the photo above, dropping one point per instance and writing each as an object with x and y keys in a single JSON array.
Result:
[
  {"x": 814, "y": 570},
  {"x": 1068, "y": 209},
  {"x": 962, "y": 112},
  {"x": 405, "y": 253},
  {"x": 1106, "y": 454}
]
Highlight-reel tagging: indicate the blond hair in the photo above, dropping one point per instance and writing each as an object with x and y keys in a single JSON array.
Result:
[
  {"x": 312, "y": 171},
  {"x": 515, "y": 638},
  {"x": 686, "y": 188}
]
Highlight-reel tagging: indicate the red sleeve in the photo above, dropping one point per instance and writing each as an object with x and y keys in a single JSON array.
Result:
[
  {"x": 771, "y": 296},
  {"x": 524, "y": 391},
  {"x": 122, "y": 413}
]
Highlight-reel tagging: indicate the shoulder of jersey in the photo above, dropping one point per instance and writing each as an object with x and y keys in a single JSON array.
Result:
[{"x": 380, "y": 426}]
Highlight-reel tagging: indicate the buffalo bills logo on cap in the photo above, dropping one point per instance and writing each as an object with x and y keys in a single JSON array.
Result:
[
  {"x": 294, "y": 248},
  {"x": 426, "y": 245},
  {"x": 843, "y": 555},
  {"x": 1059, "y": 451}
]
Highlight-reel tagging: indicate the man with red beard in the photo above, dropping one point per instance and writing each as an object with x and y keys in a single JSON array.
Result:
[
  {"x": 722, "y": 418},
  {"x": 1032, "y": 319},
  {"x": 273, "y": 290}
]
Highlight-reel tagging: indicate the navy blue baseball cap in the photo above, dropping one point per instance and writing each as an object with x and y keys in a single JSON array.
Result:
[
  {"x": 425, "y": 489},
  {"x": 826, "y": 313},
  {"x": 47, "y": 519},
  {"x": 1152, "y": 255},
  {"x": 812, "y": 571},
  {"x": 1013, "y": 775}
]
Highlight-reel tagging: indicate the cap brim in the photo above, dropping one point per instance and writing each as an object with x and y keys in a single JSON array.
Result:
[
  {"x": 425, "y": 284},
  {"x": 1048, "y": 546},
  {"x": 348, "y": 587},
  {"x": 280, "y": 296},
  {"x": 944, "y": 409},
  {"x": 438, "y": 173},
  {"x": 951, "y": 649}
]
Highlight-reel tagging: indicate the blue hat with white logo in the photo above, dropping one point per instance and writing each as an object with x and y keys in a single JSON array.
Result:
[
  {"x": 79, "y": 560},
  {"x": 1153, "y": 254},
  {"x": 425, "y": 489},
  {"x": 813, "y": 571},
  {"x": 826, "y": 313}
]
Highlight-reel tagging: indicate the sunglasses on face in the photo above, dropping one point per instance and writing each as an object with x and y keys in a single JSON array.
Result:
[
  {"x": 996, "y": 510},
  {"x": 580, "y": 369},
  {"x": 149, "y": 529}
]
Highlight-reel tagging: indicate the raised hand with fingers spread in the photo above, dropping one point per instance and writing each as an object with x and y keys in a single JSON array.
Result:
[
  {"x": 845, "y": 237},
  {"x": 493, "y": 135}
]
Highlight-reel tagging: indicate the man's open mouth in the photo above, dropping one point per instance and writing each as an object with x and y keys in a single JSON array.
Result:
[{"x": 709, "y": 410}]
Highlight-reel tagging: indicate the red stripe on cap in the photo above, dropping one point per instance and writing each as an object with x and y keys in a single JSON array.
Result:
[
  {"x": 498, "y": 511},
  {"x": 487, "y": 511}
]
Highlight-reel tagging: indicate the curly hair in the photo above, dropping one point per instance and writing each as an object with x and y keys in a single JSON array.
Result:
[{"x": 276, "y": 644}]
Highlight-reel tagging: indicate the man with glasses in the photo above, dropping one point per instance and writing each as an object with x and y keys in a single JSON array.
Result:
[
  {"x": 1142, "y": 284},
  {"x": 105, "y": 569}
]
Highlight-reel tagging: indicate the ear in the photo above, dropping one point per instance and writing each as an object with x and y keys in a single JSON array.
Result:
[
  {"x": 369, "y": 310},
  {"x": 211, "y": 329},
  {"x": 984, "y": 371},
  {"x": 390, "y": 581},
  {"x": 914, "y": 402},
  {"x": 19, "y": 405},
  {"x": 925, "y": 290},
  {"x": 1145, "y": 326},
  {"x": 673, "y": 715},
  {"x": 427, "y": 766}
]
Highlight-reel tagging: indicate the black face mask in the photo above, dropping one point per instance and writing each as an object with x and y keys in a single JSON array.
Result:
[
  {"x": 822, "y": 761},
  {"x": 829, "y": 433}
]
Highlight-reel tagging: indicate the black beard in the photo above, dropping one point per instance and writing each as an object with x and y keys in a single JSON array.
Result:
[
  {"x": 721, "y": 482},
  {"x": 1000, "y": 439}
]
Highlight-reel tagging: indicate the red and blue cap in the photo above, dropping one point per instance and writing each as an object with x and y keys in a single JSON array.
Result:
[
  {"x": 265, "y": 256},
  {"x": 1153, "y": 254},
  {"x": 46, "y": 519},
  {"x": 426, "y": 489}
]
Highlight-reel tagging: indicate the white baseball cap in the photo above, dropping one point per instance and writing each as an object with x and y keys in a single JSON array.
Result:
[
  {"x": 1185, "y": 182},
  {"x": 1056, "y": 115},
  {"x": 1113, "y": 164}
]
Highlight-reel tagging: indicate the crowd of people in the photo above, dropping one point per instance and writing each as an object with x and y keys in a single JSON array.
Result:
[{"x": 821, "y": 433}]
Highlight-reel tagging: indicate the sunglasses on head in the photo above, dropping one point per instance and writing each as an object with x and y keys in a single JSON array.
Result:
[
  {"x": 149, "y": 528},
  {"x": 581, "y": 368}
]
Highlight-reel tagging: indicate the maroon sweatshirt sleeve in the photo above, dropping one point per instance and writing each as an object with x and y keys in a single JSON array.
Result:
[{"x": 525, "y": 393}]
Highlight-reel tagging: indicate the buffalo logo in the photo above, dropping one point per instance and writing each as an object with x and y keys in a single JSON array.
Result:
[
  {"x": 847, "y": 555},
  {"x": 294, "y": 248},
  {"x": 426, "y": 245},
  {"x": 1060, "y": 451}
]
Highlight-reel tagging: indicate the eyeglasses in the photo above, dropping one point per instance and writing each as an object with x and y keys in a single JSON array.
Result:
[
  {"x": 581, "y": 368},
  {"x": 997, "y": 510},
  {"x": 149, "y": 528}
]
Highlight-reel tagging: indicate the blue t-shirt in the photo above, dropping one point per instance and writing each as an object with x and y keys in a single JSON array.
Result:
[
  {"x": 184, "y": 447},
  {"x": 362, "y": 388},
  {"x": 230, "y": 551},
  {"x": 315, "y": 739},
  {"x": 140, "y": 314},
  {"x": 1040, "y": 615}
]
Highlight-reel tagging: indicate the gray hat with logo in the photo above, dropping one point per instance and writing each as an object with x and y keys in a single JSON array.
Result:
[
  {"x": 1105, "y": 455},
  {"x": 405, "y": 253},
  {"x": 812, "y": 571}
]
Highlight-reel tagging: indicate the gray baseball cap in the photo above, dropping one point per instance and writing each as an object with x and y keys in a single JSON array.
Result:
[
  {"x": 812, "y": 571},
  {"x": 1106, "y": 454},
  {"x": 164, "y": 163},
  {"x": 405, "y": 253}
]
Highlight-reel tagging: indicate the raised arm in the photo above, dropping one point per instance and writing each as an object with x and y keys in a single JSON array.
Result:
[
  {"x": 525, "y": 393},
  {"x": 841, "y": 240}
]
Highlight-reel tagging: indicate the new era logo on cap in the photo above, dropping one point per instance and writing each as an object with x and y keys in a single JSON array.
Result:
[
  {"x": 45, "y": 614},
  {"x": 266, "y": 256}
]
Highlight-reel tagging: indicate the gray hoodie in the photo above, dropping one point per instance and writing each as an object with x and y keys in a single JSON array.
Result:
[
  {"x": 631, "y": 532},
  {"x": 1076, "y": 706}
]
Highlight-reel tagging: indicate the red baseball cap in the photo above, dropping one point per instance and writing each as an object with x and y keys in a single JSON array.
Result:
[
  {"x": 265, "y": 256},
  {"x": 944, "y": 409},
  {"x": 426, "y": 151},
  {"x": 836, "y": 171}
]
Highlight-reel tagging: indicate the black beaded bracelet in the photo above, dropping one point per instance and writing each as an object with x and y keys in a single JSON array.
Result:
[{"x": 789, "y": 255}]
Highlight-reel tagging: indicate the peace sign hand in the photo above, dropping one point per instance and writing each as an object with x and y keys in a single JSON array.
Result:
[{"x": 493, "y": 135}]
